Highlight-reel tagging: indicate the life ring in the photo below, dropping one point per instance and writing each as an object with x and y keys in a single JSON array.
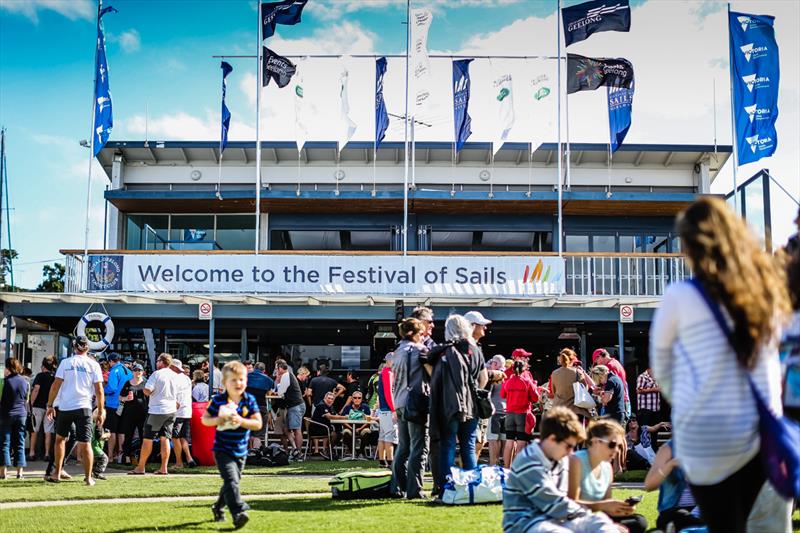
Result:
[{"x": 105, "y": 342}]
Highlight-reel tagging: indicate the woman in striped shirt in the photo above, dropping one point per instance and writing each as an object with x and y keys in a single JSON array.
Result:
[{"x": 704, "y": 373}]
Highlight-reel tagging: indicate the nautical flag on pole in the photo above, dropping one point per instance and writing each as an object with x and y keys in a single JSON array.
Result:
[
  {"x": 381, "y": 115},
  {"x": 504, "y": 101},
  {"x": 287, "y": 12},
  {"x": 461, "y": 118},
  {"x": 755, "y": 74},
  {"x": 302, "y": 106},
  {"x": 542, "y": 90},
  {"x": 276, "y": 68},
  {"x": 587, "y": 73},
  {"x": 226, "y": 114},
  {"x": 420, "y": 62},
  {"x": 620, "y": 108},
  {"x": 348, "y": 127},
  {"x": 103, "y": 117},
  {"x": 591, "y": 17}
]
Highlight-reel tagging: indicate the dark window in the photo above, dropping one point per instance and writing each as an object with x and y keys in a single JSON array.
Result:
[
  {"x": 146, "y": 232},
  {"x": 236, "y": 232}
]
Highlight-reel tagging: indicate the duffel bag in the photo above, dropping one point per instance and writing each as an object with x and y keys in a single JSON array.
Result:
[
  {"x": 484, "y": 484},
  {"x": 361, "y": 485}
]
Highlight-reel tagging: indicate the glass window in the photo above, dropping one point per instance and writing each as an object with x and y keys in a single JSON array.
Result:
[
  {"x": 236, "y": 232},
  {"x": 146, "y": 232},
  {"x": 507, "y": 240},
  {"x": 543, "y": 241},
  {"x": 451, "y": 240},
  {"x": 577, "y": 243},
  {"x": 604, "y": 243},
  {"x": 370, "y": 240},
  {"x": 313, "y": 240},
  {"x": 657, "y": 244},
  {"x": 629, "y": 244},
  {"x": 192, "y": 231},
  {"x": 754, "y": 208}
]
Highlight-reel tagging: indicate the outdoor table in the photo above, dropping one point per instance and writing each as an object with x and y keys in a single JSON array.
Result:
[{"x": 344, "y": 421}]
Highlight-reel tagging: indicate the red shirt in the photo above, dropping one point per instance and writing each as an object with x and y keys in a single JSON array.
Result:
[
  {"x": 615, "y": 367},
  {"x": 519, "y": 393}
]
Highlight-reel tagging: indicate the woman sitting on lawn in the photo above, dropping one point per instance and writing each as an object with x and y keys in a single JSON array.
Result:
[
  {"x": 590, "y": 475},
  {"x": 640, "y": 443},
  {"x": 676, "y": 504}
]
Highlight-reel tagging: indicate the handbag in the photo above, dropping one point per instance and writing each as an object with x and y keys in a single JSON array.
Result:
[
  {"x": 582, "y": 397},
  {"x": 780, "y": 436}
]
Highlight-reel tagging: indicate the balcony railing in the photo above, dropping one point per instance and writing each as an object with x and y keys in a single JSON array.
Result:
[{"x": 585, "y": 274}]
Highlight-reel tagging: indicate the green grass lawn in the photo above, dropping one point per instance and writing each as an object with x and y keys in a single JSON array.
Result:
[
  {"x": 306, "y": 467},
  {"x": 13, "y": 490},
  {"x": 275, "y": 516}
]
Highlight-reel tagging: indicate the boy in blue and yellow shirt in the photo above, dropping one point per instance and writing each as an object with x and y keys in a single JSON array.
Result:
[{"x": 235, "y": 413}]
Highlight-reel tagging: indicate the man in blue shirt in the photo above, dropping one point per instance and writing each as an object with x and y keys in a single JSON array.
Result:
[
  {"x": 258, "y": 384},
  {"x": 118, "y": 375}
]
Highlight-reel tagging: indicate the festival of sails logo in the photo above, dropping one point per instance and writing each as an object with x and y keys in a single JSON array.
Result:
[{"x": 589, "y": 73}]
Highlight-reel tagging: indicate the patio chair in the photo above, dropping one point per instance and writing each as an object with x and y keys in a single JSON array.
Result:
[{"x": 309, "y": 423}]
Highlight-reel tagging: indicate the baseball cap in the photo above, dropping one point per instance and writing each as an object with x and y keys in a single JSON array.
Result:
[
  {"x": 520, "y": 352},
  {"x": 114, "y": 357},
  {"x": 81, "y": 341},
  {"x": 176, "y": 363},
  {"x": 475, "y": 317},
  {"x": 600, "y": 352},
  {"x": 138, "y": 367}
]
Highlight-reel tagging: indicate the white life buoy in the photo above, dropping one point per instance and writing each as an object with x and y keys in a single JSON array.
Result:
[{"x": 102, "y": 344}]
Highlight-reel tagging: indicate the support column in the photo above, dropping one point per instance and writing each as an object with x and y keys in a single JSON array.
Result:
[
  {"x": 583, "y": 349},
  {"x": 621, "y": 341},
  {"x": 245, "y": 353},
  {"x": 9, "y": 340},
  {"x": 211, "y": 357}
]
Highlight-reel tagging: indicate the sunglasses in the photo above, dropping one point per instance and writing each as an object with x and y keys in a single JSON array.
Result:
[
  {"x": 612, "y": 444},
  {"x": 356, "y": 397},
  {"x": 570, "y": 446}
]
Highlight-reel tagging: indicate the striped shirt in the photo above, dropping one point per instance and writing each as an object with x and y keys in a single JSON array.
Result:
[
  {"x": 648, "y": 400},
  {"x": 536, "y": 491},
  {"x": 714, "y": 417},
  {"x": 232, "y": 441}
]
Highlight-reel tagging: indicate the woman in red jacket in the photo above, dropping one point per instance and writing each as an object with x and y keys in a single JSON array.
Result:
[{"x": 519, "y": 393}]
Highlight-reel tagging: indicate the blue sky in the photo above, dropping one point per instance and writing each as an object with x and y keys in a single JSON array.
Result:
[{"x": 159, "y": 55}]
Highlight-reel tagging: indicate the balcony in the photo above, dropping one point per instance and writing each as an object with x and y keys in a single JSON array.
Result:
[{"x": 585, "y": 274}]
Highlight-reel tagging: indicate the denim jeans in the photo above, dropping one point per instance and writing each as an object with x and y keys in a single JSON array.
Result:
[
  {"x": 12, "y": 434},
  {"x": 412, "y": 447},
  {"x": 230, "y": 468},
  {"x": 467, "y": 433}
]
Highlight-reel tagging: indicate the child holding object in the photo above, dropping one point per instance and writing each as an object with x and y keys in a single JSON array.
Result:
[{"x": 235, "y": 413}]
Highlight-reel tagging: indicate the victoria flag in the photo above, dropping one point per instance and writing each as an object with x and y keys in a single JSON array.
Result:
[
  {"x": 276, "y": 68},
  {"x": 590, "y": 17},
  {"x": 461, "y": 118},
  {"x": 381, "y": 115},
  {"x": 226, "y": 114},
  {"x": 620, "y": 108},
  {"x": 587, "y": 74},
  {"x": 287, "y": 12},
  {"x": 755, "y": 73},
  {"x": 103, "y": 117}
]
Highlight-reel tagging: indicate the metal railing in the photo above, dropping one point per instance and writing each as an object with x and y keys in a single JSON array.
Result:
[
  {"x": 73, "y": 273},
  {"x": 622, "y": 275}
]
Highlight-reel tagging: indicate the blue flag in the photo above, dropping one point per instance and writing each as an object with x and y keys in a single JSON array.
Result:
[
  {"x": 590, "y": 17},
  {"x": 461, "y": 118},
  {"x": 755, "y": 73},
  {"x": 620, "y": 108},
  {"x": 381, "y": 116},
  {"x": 226, "y": 114},
  {"x": 287, "y": 12},
  {"x": 103, "y": 118}
]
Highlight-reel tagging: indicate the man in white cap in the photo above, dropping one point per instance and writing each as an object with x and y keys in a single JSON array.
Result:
[
  {"x": 162, "y": 389},
  {"x": 479, "y": 323},
  {"x": 183, "y": 417}
]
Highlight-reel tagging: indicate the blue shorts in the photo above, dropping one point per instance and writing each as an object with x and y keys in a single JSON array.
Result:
[{"x": 294, "y": 416}]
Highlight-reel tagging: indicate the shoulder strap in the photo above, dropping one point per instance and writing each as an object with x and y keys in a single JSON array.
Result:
[{"x": 715, "y": 309}]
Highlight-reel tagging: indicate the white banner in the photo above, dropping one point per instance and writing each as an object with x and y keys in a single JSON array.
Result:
[
  {"x": 542, "y": 89},
  {"x": 420, "y": 62},
  {"x": 454, "y": 275},
  {"x": 347, "y": 126},
  {"x": 504, "y": 101}
]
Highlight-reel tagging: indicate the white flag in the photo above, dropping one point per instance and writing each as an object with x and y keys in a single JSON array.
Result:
[
  {"x": 541, "y": 89},
  {"x": 504, "y": 101},
  {"x": 301, "y": 107},
  {"x": 420, "y": 62},
  {"x": 348, "y": 127}
]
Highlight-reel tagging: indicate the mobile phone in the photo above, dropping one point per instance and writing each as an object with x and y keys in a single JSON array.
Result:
[{"x": 633, "y": 500}]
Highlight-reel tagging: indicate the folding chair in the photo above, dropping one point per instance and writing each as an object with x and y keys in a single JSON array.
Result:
[{"x": 310, "y": 423}]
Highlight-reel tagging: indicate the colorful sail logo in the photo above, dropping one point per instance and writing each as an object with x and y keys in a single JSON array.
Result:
[{"x": 539, "y": 274}]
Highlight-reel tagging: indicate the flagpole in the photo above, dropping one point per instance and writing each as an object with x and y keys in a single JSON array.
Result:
[
  {"x": 405, "y": 137},
  {"x": 560, "y": 214},
  {"x": 85, "y": 276},
  {"x": 733, "y": 121},
  {"x": 259, "y": 82}
]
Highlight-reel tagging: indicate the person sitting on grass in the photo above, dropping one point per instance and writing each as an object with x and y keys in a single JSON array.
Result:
[
  {"x": 323, "y": 414},
  {"x": 640, "y": 443},
  {"x": 676, "y": 505},
  {"x": 356, "y": 409},
  {"x": 235, "y": 414},
  {"x": 590, "y": 475},
  {"x": 535, "y": 496}
]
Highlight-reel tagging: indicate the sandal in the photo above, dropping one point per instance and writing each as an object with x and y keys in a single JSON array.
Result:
[
  {"x": 135, "y": 473},
  {"x": 51, "y": 479},
  {"x": 159, "y": 473}
]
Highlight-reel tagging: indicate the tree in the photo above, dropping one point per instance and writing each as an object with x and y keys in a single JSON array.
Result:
[
  {"x": 6, "y": 257},
  {"x": 53, "y": 278}
]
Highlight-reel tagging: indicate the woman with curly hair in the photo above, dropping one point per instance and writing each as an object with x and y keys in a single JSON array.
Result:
[{"x": 704, "y": 373}]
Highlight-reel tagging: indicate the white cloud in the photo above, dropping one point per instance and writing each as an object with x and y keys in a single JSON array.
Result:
[
  {"x": 186, "y": 127},
  {"x": 336, "y": 9},
  {"x": 72, "y": 9},
  {"x": 130, "y": 41}
]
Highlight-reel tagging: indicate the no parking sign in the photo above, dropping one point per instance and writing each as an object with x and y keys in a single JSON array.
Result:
[{"x": 626, "y": 314}]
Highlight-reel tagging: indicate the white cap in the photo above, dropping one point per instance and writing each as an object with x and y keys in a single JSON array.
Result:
[
  {"x": 176, "y": 363},
  {"x": 474, "y": 317},
  {"x": 499, "y": 359}
]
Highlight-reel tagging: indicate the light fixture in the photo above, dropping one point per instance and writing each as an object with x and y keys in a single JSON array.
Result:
[
  {"x": 484, "y": 175},
  {"x": 569, "y": 334},
  {"x": 195, "y": 175}
]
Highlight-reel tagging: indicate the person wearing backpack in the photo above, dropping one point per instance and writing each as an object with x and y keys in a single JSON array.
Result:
[
  {"x": 410, "y": 391},
  {"x": 711, "y": 338}
]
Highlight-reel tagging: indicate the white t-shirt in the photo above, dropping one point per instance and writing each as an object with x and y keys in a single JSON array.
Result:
[
  {"x": 80, "y": 373},
  {"x": 282, "y": 384},
  {"x": 184, "y": 396},
  {"x": 164, "y": 385}
]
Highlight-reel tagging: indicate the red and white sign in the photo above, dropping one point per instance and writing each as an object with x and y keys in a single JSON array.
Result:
[
  {"x": 626, "y": 314},
  {"x": 205, "y": 311}
]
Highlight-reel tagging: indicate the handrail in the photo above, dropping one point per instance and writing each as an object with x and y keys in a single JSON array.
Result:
[{"x": 70, "y": 251}]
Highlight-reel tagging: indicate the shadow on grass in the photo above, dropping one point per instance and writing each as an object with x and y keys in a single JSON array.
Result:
[
  {"x": 314, "y": 504},
  {"x": 183, "y": 525}
]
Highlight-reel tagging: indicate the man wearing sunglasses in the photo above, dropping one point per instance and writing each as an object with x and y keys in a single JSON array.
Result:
[{"x": 535, "y": 498}]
